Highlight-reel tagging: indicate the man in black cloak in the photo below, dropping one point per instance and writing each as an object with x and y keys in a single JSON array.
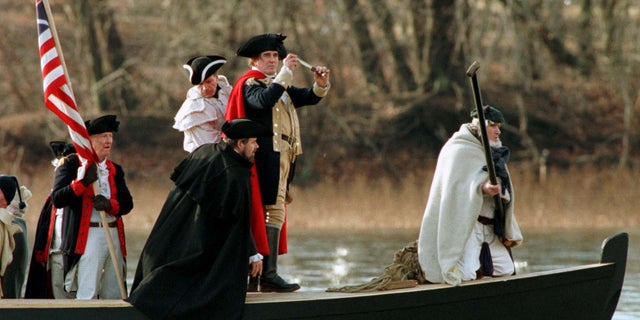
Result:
[
  {"x": 45, "y": 279},
  {"x": 195, "y": 262}
]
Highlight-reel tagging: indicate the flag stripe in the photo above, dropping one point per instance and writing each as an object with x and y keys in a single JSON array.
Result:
[{"x": 58, "y": 96}]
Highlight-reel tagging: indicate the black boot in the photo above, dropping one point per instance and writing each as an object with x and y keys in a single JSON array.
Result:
[{"x": 270, "y": 280}]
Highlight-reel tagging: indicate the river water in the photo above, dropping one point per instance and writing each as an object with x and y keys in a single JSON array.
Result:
[{"x": 319, "y": 260}]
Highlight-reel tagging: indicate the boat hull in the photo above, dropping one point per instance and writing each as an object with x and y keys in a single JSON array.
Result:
[
  {"x": 583, "y": 292},
  {"x": 578, "y": 293}
]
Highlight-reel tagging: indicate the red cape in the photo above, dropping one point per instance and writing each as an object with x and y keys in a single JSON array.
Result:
[{"x": 235, "y": 109}]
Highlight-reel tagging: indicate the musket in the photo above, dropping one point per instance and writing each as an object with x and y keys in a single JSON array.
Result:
[{"x": 499, "y": 219}]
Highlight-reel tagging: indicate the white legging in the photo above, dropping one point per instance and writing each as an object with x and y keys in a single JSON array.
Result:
[
  {"x": 96, "y": 275},
  {"x": 275, "y": 213},
  {"x": 470, "y": 261}
]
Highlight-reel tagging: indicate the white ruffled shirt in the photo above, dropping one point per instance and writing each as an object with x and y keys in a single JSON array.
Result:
[
  {"x": 201, "y": 119},
  {"x": 103, "y": 186}
]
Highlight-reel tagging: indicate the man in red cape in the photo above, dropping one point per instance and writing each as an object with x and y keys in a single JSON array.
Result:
[{"x": 267, "y": 96}]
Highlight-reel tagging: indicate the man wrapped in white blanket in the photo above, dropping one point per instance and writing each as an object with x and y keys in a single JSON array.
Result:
[{"x": 457, "y": 226}]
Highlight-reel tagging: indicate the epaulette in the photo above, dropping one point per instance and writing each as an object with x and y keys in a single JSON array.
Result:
[
  {"x": 62, "y": 160},
  {"x": 257, "y": 82}
]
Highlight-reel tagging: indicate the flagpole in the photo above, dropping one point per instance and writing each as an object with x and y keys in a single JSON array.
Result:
[
  {"x": 54, "y": 34},
  {"x": 96, "y": 187}
]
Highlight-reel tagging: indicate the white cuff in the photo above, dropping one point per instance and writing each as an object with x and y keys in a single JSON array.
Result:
[
  {"x": 321, "y": 91},
  {"x": 255, "y": 258},
  {"x": 284, "y": 77}
]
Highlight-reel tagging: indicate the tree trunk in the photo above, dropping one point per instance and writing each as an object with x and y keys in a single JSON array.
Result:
[
  {"x": 447, "y": 70},
  {"x": 369, "y": 53},
  {"x": 616, "y": 20},
  {"x": 403, "y": 72},
  {"x": 420, "y": 28},
  {"x": 110, "y": 83},
  {"x": 586, "y": 39}
]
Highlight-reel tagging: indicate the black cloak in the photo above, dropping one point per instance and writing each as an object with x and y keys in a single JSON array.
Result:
[
  {"x": 195, "y": 262},
  {"x": 39, "y": 280}
]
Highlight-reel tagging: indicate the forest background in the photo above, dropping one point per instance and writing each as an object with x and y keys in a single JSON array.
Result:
[{"x": 564, "y": 73}]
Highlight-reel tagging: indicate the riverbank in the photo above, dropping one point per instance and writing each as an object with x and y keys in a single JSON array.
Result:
[{"x": 586, "y": 198}]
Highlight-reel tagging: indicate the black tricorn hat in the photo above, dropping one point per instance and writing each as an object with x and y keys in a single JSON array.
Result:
[
  {"x": 8, "y": 186},
  {"x": 490, "y": 113},
  {"x": 202, "y": 67},
  {"x": 242, "y": 128},
  {"x": 261, "y": 43},
  {"x": 61, "y": 149},
  {"x": 106, "y": 123}
]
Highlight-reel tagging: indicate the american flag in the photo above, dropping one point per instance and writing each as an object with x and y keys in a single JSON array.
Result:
[{"x": 58, "y": 96}]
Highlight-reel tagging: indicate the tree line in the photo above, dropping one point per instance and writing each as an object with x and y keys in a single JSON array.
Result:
[{"x": 564, "y": 72}]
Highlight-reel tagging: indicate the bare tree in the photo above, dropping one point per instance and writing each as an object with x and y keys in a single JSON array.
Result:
[
  {"x": 445, "y": 61},
  {"x": 544, "y": 61},
  {"x": 368, "y": 50},
  {"x": 586, "y": 39},
  {"x": 616, "y": 20},
  {"x": 110, "y": 74}
]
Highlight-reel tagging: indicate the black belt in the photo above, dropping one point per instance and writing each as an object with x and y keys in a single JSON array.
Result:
[
  {"x": 484, "y": 220},
  {"x": 99, "y": 224},
  {"x": 288, "y": 139}
]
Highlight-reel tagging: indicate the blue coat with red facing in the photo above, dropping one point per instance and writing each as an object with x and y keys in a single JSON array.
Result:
[{"x": 76, "y": 199}]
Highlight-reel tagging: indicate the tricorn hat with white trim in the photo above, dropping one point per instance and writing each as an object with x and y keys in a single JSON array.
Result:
[{"x": 202, "y": 67}]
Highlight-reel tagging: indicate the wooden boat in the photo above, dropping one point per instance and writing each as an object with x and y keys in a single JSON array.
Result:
[{"x": 581, "y": 292}]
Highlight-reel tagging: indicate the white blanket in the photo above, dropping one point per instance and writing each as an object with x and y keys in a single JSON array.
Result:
[
  {"x": 7, "y": 242},
  {"x": 455, "y": 201}
]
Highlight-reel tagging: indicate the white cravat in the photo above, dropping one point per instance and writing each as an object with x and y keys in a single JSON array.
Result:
[
  {"x": 103, "y": 177},
  {"x": 105, "y": 190}
]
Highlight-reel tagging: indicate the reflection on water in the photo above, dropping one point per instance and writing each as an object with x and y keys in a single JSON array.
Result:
[
  {"x": 329, "y": 259},
  {"x": 319, "y": 260}
]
